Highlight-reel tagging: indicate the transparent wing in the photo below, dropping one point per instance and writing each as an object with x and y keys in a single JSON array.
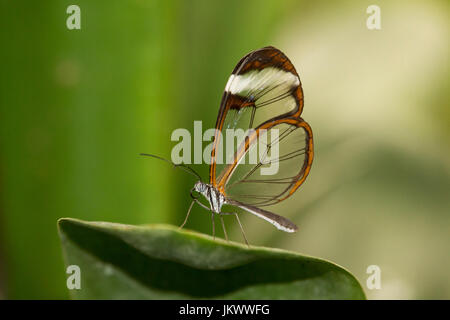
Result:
[
  {"x": 270, "y": 164},
  {"x": 263, "y": 87}
]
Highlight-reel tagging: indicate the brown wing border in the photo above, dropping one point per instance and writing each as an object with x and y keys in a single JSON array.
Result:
[
  {"x": 258, "y": 59},
  {"x": 253, "y": 137}
]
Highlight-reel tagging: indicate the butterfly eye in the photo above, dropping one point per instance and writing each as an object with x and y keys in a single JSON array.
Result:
[{"x": 199, "y": 187}]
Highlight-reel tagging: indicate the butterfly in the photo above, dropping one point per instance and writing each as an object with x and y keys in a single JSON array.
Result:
[{"x": 264, "y": 96}]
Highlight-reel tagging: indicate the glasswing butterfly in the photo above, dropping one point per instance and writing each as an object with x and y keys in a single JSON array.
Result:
[{"x": 263, "y": 96}]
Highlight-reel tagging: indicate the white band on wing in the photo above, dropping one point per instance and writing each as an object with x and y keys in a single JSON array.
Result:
[{"x": 260, "y": 80}]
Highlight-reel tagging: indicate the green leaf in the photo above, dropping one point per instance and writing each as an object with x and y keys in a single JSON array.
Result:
[{"x": 161, "y": 262}]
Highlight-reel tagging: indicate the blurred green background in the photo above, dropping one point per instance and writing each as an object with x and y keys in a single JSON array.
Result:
[{"x": 78, "y": 106}]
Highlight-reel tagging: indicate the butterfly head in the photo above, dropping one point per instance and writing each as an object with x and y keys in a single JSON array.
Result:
[{"x": 200, "y": 187}]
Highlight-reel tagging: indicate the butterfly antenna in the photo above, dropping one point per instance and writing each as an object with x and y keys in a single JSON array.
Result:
[{"x": 181, "y": 165}]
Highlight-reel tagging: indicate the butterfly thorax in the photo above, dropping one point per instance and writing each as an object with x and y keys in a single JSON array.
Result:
[{"x": 215, "y": 198}]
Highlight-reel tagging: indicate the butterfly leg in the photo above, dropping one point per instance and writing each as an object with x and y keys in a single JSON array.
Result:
[
  {"x": 202, "y": 205},
  {"x": 240, "y": 225},
  {"x": 212, "y": 216},
  {"x": 223, "y": 226},
  {"x": 213, "y": 226},
  {"x": 242, "y": 229},
  {"x": 187, "y": 215},
  {"x": 194, "y": 200},
  {"x": 212, "y": 219}
]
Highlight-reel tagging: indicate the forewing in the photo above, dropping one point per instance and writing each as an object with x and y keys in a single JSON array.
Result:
[{"x": 263, "y": 87}]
